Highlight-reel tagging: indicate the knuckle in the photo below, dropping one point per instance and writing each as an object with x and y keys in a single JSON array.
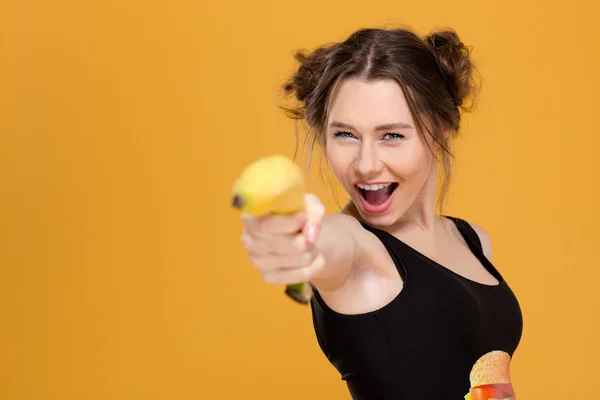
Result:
[
  {"x": 278, "y": 245},
  {"x": 260, "y": 263},
  {"x": 299, "y": 243},
  {"x": 246, "y": 240},
  {"x": 301, "y": 274},
  {"x": 290, "y": 225},
  {"x": 304, "y": 274},
  {"x": 266, "y": 276},
  {"x": 262, "y": 225},
  {"x": 254, "y": 260},
  {"x": 267, "y": 263},
  {"x": 318, "y": 263},
  {"x": 249, "y": 221},
  {"x": 307, "y": 257},
  {"x": 270, "y": 224},
  {"x": 271, "y": 278}
]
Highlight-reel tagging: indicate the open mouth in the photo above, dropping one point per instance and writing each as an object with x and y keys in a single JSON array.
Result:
[{"x": 376, "y": 194}]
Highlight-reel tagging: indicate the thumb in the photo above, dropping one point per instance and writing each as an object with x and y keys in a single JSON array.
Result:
[{"x": 315, "y": 212}]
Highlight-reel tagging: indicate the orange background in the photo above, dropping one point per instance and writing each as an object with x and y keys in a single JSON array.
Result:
[{"x": 125, "y": 124}]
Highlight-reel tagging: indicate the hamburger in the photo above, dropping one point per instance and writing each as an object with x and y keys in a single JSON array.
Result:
[{"x": 490, "y": 378}]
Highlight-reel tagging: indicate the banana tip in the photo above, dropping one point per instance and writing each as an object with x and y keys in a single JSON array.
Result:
[{"x": 237, "y": 201}]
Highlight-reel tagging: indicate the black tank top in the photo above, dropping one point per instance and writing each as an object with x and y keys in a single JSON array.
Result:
[{"x": 425, "y": 343}]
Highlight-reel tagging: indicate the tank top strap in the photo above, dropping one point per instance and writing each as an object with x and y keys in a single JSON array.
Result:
[
  {"x": 467, "y": 231},
  {"x": 391, "y": 244}
]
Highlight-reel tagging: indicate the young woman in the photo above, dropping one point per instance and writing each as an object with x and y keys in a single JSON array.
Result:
[{"x": 407, "y": 304}]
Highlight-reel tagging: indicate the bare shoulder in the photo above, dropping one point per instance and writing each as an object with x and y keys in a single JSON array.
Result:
[
  {"x": 339, "y": 219},
  {"x": 484, "y": 237},
  {"x": 373, "y": 280},
  {"x": 350, "y": 226},
  {"x": 343, "y": 241},
  {"x": 367, "y": 243}
]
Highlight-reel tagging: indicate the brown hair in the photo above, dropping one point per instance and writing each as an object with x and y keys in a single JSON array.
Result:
[{"x": 435, "y": 73}]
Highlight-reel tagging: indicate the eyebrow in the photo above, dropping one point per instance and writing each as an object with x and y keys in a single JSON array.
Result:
[{"x": 384, "y": 127}]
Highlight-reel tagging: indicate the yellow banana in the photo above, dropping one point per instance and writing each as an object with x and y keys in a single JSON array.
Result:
[{"x": 273, "y": 184}]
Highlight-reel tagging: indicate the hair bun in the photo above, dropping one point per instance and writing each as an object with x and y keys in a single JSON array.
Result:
[
  {"x": 303, "y": 83},
  {"x": 454, "y": 61}
]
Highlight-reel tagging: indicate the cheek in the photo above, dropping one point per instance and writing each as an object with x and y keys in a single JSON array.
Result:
[
  {"x": 412, "y": 162},
  {"x": 339, "y": 161}
]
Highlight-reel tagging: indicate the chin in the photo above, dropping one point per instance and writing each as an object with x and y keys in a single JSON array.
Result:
[{"x": 384, "y": 219}]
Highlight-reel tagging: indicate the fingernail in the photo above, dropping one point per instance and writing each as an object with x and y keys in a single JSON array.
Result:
[{"x": 312, "y": 233}]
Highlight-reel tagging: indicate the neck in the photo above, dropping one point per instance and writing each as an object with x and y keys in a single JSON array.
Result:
[{"x": 422, "y": 211}]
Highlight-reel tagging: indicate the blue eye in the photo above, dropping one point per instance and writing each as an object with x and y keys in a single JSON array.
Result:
[
  {"x": 343, "y": 135},
  {"x": 393, "y": 136}
]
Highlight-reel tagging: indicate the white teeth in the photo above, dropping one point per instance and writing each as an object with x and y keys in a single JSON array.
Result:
[{"x": 373, "y": 187}]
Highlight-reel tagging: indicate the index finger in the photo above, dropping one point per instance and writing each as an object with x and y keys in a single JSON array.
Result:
[
  {"x": 275, "y": 224},
  {"x": 283, "y": 223},
  {"x": 250, "y": 222}
]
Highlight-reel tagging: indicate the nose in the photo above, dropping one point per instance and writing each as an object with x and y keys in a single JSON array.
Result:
[{"x": 368, "y": 165}]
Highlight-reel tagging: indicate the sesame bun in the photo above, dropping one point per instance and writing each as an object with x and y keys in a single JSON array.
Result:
[{"x": 491, "y": 368}]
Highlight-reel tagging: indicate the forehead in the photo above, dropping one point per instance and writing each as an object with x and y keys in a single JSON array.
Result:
[{"x": 367, "y": 104}]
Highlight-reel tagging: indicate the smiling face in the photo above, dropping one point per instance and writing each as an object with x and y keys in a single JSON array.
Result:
[{"x": 376, "y": 152}]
